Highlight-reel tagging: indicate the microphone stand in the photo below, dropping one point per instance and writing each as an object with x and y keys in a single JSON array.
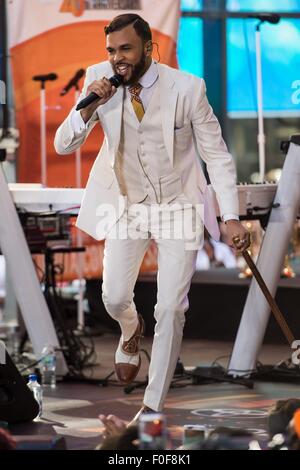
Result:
[
  {"x": 43, "y": 108},
  {"x": 43, "y": 134},
  {"x": 272, "y": 18},
  {"x": 79, "y": 241},
  {"x": 78, "y": 151},
  {"x": 261, "y": 138},
  {"x": 74, "y": 83}
]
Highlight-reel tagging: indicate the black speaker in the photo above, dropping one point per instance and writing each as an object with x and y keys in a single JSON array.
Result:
[{"x": 17, "y": 403}]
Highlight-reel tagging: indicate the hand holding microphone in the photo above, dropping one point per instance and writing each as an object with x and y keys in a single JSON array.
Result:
[{"x": 98, "y": 93}]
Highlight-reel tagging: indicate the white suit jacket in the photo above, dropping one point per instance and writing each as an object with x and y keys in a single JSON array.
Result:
[{"x": 189, "y": 129}]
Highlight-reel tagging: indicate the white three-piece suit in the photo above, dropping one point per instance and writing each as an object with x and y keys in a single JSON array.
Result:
[{"x": 153, "y": 162}]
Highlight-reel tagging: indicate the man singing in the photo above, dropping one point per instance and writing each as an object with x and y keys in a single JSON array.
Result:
[{"x": 147, "y": 184}]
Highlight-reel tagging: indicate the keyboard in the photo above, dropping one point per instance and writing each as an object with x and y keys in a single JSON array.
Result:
[
  {"x": 255, "y": 200},
  {"x": 36, "y": 198}
]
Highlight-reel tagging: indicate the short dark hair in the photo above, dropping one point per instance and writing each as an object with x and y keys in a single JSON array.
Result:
[{"x": 141, "y": 26}]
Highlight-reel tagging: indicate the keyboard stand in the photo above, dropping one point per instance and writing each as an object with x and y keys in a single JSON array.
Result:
[
  {"x": 270, "y": 261},
  {"x": 28, "y": 292}
]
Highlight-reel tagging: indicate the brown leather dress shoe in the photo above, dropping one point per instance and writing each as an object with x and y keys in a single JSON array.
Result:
[
  {"x": 125, "y": 371},
  {"x": 132, "y": 346},
  {"x": 143, "y": 410}
]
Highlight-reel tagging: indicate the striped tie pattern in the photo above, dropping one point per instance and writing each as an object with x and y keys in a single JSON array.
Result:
[{"x": 136, "y": 101}]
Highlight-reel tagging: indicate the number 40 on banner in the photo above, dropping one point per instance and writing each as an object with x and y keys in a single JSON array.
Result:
[{"x": 72, "y": 6}]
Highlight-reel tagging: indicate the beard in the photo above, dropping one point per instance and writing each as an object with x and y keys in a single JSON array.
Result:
[{"x": 137, "y": 71}]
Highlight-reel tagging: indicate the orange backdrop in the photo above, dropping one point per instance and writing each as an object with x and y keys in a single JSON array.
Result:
[
  {"x": 60, "y": 50},
  {"x": 64, "y": 50}
]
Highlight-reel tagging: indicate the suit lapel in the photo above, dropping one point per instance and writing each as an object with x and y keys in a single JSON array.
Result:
[
  {"x": 112, "y": 116},
  {"x": 168, "y": 100}
]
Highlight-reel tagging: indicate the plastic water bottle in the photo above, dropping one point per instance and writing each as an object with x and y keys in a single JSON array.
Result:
[
  {"x": 48, "y": 367},
  {"x": 37, "y": 392}
]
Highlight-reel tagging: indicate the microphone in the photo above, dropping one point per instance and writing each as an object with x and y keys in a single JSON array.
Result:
[
  {"x": 44, "y": 78},
  {"x": 72, "y": 82},
  {"x": 115, "y": 80},
  {"x": 268, "y": 17}
]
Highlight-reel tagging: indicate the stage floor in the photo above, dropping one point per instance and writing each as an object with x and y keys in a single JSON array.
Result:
[{"x": 72, "y": 409}]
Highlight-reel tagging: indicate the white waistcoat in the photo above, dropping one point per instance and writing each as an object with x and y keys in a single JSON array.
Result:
[{"x": 143, "y": 167}]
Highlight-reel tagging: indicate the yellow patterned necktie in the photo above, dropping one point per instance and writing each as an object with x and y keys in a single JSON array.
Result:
[{"x": 136, "y": 101}]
